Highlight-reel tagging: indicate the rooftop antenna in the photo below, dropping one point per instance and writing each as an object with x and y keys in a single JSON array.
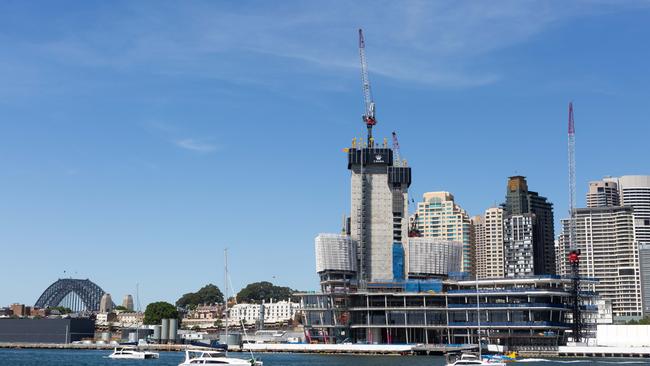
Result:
[{"x": 137, "y": 295}]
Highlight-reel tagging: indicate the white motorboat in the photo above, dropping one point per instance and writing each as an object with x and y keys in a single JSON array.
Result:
[
  {"x": 468, "y": 359},
  {"x": 131, "y": 353},
  {"x": 201, "y": 357}
]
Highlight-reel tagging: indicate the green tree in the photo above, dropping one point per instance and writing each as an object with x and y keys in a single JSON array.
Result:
[
  {"x": 258, "y": 291},
  {"x": 209, "y": 294},
  {"x": 120, "y": 308},
  {"x": 159, "y": 310},
  {"x": 61, "y": 309},
  {"x": 643, "y": 321}
]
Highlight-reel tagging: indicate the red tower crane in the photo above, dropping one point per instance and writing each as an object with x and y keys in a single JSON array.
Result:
[
  {"x": 369, "y": 112},
  {"x": 574, "y": 251}
]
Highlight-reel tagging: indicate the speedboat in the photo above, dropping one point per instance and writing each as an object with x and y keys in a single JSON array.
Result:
[
  {"x": 200, "y": 357},
  {"x": 131, "y": 353},
  {"x": 468, "y": 359}
]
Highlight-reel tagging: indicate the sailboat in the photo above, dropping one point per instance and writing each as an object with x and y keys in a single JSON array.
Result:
[
  {"x": 201, "y": 356},
  {"x": 131, "y": 352}
]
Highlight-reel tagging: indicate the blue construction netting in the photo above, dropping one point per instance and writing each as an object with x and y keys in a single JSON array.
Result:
[{"x": 398, "y": 262}]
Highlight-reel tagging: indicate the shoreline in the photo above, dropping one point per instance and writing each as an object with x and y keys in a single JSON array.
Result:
[{"x": 355, "y": 349}]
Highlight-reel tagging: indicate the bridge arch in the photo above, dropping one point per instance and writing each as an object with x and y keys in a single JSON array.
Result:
[{"x": 76, "y": 294}]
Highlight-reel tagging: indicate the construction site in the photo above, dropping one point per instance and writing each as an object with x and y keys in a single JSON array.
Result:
[{"x": 383, "y": 282}]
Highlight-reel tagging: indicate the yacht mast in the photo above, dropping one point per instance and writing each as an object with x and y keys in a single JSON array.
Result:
[{"x": 225, "y": 287}]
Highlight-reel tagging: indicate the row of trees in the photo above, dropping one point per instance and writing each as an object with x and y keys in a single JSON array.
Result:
[
  {"x": 264, "y": 291},
  {"x": 643, "y": 321},
  {"x": 210, "y": 294},
  {"x": 253, "y": 293}
]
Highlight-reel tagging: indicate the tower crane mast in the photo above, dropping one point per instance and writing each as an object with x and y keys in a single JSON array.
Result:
[
  {"x": 574, "y": 251},
  {"x": 369, "y": 112},
  {"x": 396, "y": 152},
  {"x": 572, "y": 178}
]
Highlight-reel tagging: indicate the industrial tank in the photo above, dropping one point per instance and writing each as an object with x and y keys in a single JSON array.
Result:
[
  {"x": 106, "y": 337},
  {"x": 173, "y": 330},
  {"x": 233, "y": 339},
  {"x": 164, "y": 330},
  {"x": 133, "y": 336},
  {"x": 156, "y": 332}
]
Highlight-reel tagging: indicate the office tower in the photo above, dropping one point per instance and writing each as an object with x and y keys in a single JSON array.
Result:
[
  {"x": 519, "y": 200},
  {"x": 440, "y": 217},
  {"x": 605, "y": 237},
  {"x": 106, "y": 303},
  {"x": 644, "y": 267},
  {"x": 518, "y": 245},
  {"x": 603, "y": 194},
  {"x": 127, "y": 302},
  {"x": 489, "y": 239},
  {"x": 379, "y": 210}
]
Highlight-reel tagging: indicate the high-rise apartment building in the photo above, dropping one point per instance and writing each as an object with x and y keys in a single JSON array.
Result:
[
  {"x": 644, "y": 267},
  {"x": 439, "y": 216},
  {"x": 605, "y": 237},
  {"x": 489, "y": 243},
  {"x": 603, "y": 194},
  {"x": 519, "y": 201},
  {"x": 632, "y": 191},
  {"x": 476, "y": 239},
  {"x": 379, "y": 210},
  {"x": 518, "y": 245}
]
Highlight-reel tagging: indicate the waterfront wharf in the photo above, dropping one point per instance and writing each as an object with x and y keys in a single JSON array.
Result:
[
  {"x": 375, "y": 349},
  {"x": 368, "y": 349},
  {"x": 380, "y": 349},
  {"x": 595, "y": 351},
  {"x": 93, "y": 346}
]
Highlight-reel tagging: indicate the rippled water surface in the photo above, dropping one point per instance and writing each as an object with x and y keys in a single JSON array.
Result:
[{"x": 23, "y": 357}]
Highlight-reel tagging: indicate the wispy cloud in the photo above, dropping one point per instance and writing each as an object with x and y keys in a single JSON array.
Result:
[
  {"x": 195, "y": 145},
  {"x": 440, "y": 44}
]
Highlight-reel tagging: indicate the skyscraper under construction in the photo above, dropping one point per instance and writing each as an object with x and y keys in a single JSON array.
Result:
[{"x": 379, "y": 212}]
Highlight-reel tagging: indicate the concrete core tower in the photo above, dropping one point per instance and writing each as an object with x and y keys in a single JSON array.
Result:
[{"x": 379, "y": 213}]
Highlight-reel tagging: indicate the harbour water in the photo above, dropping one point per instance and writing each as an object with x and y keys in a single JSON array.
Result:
[{"x": 31, "y": 357}]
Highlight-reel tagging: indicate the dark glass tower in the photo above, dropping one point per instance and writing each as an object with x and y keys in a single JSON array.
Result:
[{"x": 519, "y": 201}]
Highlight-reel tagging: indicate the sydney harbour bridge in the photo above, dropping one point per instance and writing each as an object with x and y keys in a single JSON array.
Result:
[{"x": 75, "y": 294}]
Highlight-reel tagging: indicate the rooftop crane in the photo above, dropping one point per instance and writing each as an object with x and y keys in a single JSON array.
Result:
[
  {"x": 369, "y": 112},
  {"x": 398, "y": 159}
]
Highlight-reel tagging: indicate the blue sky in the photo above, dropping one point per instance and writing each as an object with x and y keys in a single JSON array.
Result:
[{"x": 139, "y": 139}]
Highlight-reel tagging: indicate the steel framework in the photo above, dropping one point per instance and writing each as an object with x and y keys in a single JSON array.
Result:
[
  {"x": 574, "y": 252},
  {"x": 88, "y": 293}
]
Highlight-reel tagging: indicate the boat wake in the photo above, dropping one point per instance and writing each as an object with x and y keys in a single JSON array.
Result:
[{"x": 554, "y": 361}]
